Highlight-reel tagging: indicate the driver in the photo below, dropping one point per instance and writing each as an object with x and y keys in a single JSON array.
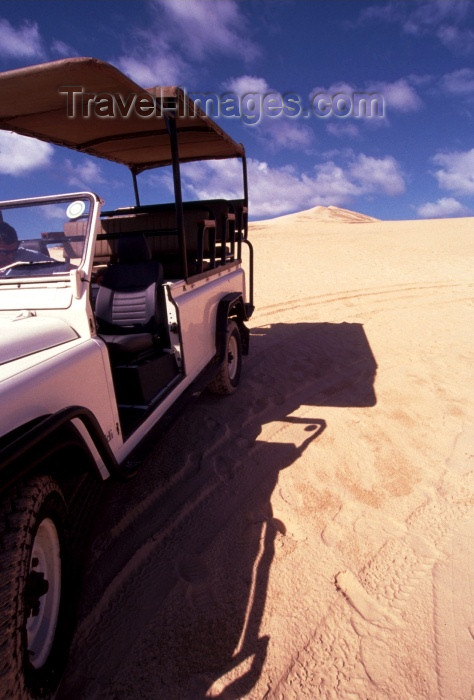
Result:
[{"x": 11, "y": 251}]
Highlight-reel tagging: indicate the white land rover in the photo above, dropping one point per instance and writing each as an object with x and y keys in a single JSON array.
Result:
[{"x": 106, "y": 319}]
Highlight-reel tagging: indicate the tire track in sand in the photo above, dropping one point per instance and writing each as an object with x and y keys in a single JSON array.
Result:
[
  {"x": 398, "y": 291},
  {"x": 353, "y": 642}
]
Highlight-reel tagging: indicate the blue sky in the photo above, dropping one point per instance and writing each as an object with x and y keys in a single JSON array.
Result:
[{"x": 415, "y": 161}]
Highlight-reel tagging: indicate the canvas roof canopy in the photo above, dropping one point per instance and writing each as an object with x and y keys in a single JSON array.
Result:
[{"x": 124, "y": 122}]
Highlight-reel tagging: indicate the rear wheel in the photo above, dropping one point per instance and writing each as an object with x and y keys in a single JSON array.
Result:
[
  {"x": 227, "y": 378},
  {"x": 34, "y": 590}
]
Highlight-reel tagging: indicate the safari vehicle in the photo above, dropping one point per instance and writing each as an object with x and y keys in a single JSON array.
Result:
[{"x": 106, "y": 320}]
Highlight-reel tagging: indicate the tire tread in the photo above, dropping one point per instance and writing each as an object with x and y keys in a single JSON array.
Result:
[{"x": 18, "y": 515}]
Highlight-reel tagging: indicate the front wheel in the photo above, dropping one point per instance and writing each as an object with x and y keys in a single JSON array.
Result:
[
  {"x": 34, "y": 590},
  {"x": 227, "y": 378}
]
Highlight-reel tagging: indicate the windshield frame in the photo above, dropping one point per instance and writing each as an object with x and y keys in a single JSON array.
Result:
[{"x": 45, "y": 269}]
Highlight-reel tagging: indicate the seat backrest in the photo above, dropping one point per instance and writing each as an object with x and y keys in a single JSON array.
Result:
[{"x": 127, "y": 300}]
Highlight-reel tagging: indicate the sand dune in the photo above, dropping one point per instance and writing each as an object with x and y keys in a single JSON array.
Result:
[
  {"x": 318, "y": 213},
  {"x": 311, "y": 535}
]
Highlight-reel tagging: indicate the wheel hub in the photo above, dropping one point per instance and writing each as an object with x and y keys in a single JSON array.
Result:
[
  {"x": 43, "y": 593},
  {"x": 36, "y": 587},
  {"x": 232, "y": 358}
]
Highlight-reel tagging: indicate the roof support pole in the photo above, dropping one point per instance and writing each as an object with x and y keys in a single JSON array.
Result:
[
  {"x": 245, "y": 228},
  {"x": 246, "y": 186},
  {"x": 246, "y": 192},
  {"x": 135, "y": 188},
  {"x": 172, "y": 129}
]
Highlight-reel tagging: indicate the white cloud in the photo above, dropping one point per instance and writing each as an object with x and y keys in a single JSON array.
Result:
[
  {"x": 274, "y": 191},
  {"x": 383, "y": 11},
  {"x": 277, "y": 129},
  {"x": 332, "y": 184},
  {"x": 60, "y": 48},
  {"x": 214, "y": 179},
  {"x": 343, "y": 129},
  {"x": 20, "y": 154},
  {"x": 435, "y": 14},
  {"x": 399, "y": 95},
  {"x": 457, "y": 171},
  {"x": 283, "y": 133},
  {"x": 207, "y": 27},
  {"x": 444, "y": 207},
  {"x": 152, "y": 71},
  {"x": 180, "y": 36},
  {"x": 247, "y": 84},
  {"x": 24, "y": 42},
  {"x": 459, "y": 82},
  {"x": 447, "y": 20},
  {"x": 457, "y": 39},
  {"x": 377, "y": 174},
  {"x": 82, "y": 175}
]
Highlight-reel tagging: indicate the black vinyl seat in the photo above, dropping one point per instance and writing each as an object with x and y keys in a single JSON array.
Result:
[{"x": 126, "y": 306}]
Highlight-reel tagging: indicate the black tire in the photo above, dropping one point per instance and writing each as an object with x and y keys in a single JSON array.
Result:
[
  {"x": 34, "y": 590},
  {"x": 227, "y": 377}
]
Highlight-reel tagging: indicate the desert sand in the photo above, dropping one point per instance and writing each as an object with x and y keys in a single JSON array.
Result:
[{"x": 310, "y": 536}]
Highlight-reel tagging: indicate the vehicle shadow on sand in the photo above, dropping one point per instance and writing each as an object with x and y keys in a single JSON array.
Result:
[{"x": 176, "y": 582}]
